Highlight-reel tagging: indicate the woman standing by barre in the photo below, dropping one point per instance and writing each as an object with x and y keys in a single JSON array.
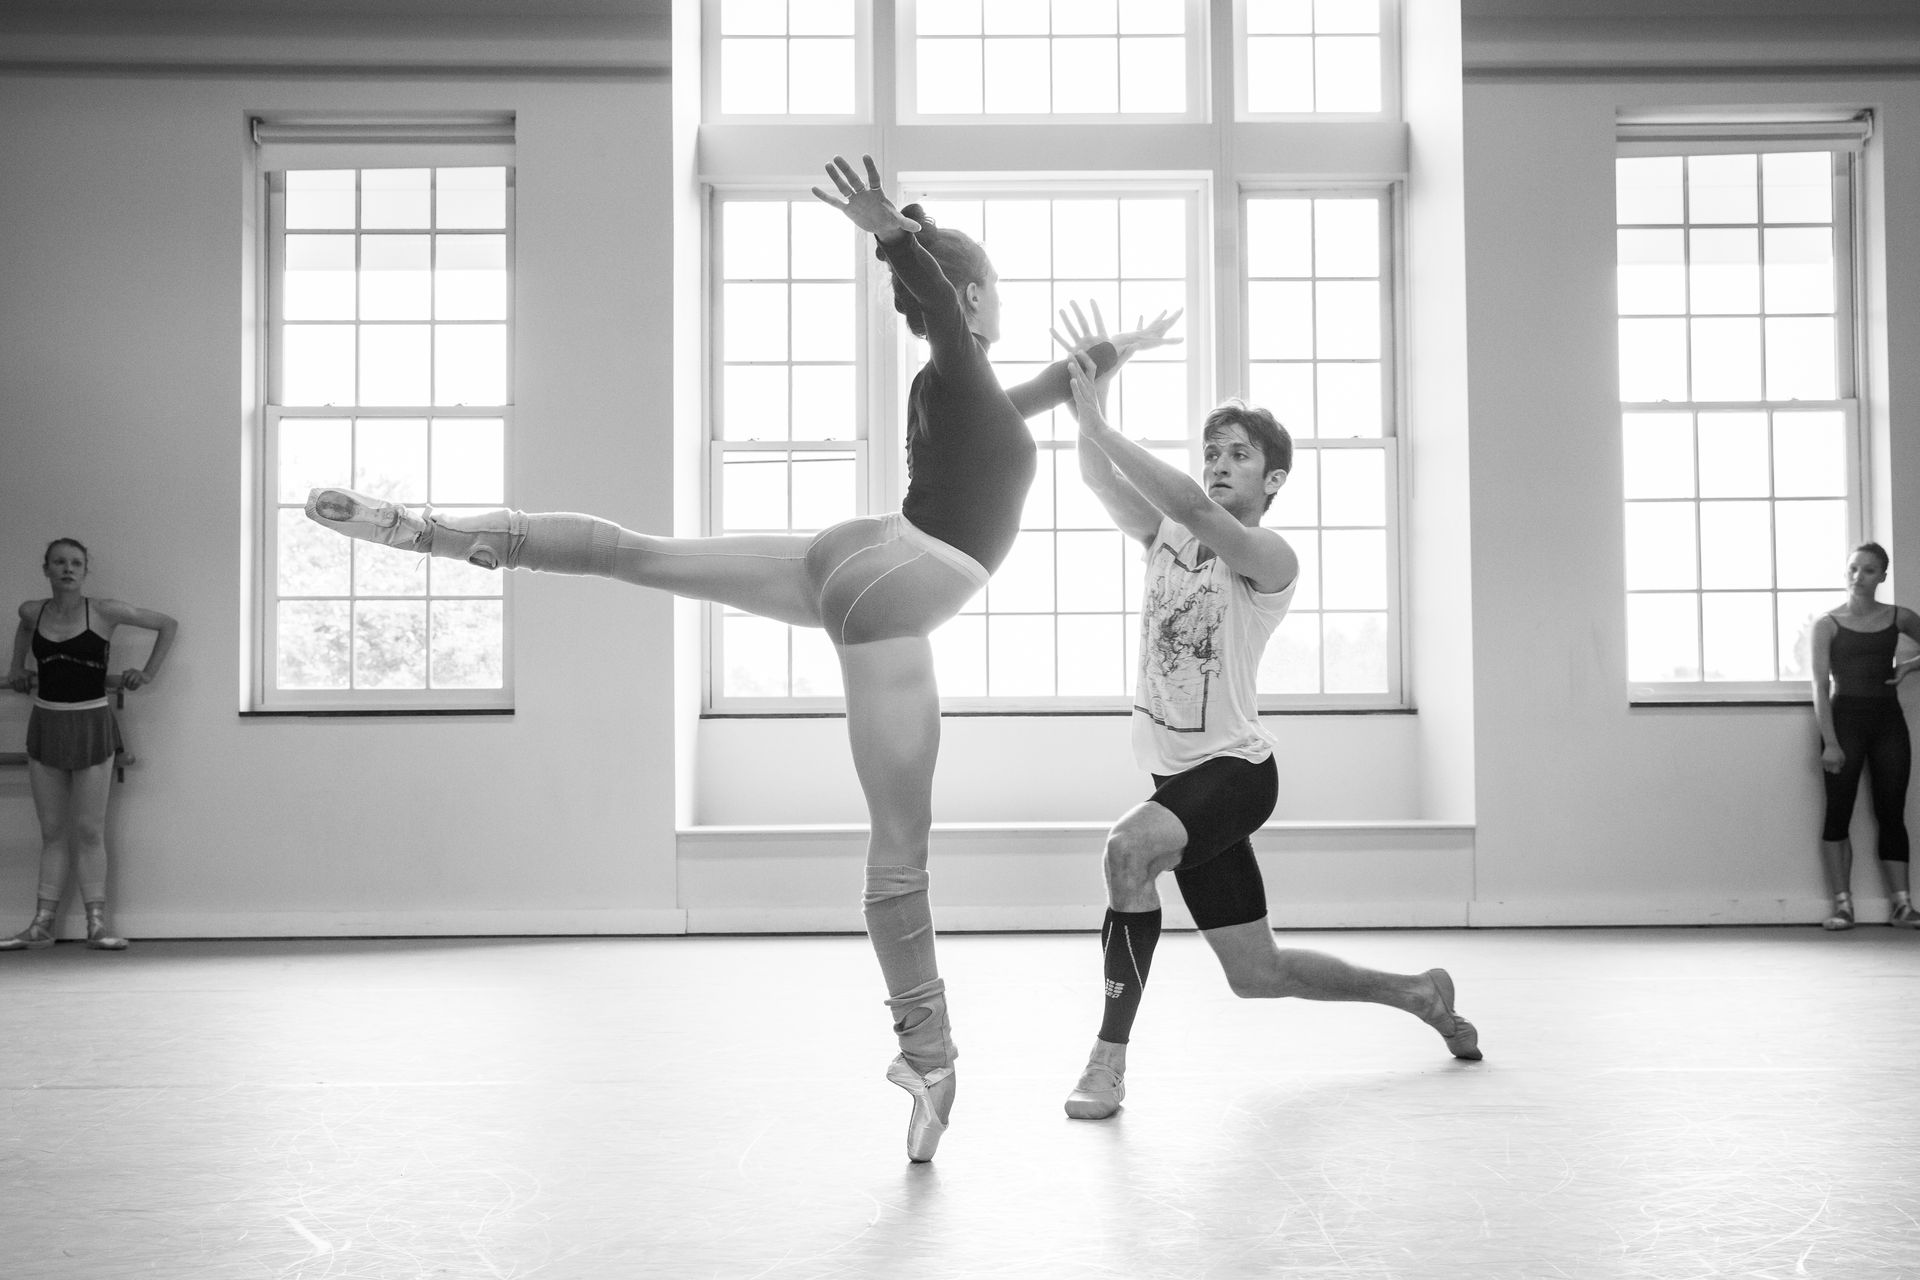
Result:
[
  {"x": 879, "y": 585},
  {"x": 71, "y": 735},
  {"x": 1856, "y": 701}
]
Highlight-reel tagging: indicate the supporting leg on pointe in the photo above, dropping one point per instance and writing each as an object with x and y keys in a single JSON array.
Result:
[
  {"x": 1258, "y": 968},
  {"x": 893, "y": 725}
]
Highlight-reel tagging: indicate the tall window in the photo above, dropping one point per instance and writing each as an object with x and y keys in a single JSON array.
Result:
[
  {"x": 788, "y": 422},
  {"x": 786, "y": 57},
  {"x": 1300, "y": 57},
  {"x": 1320, "y": 341},
  {"x": 1739, "y": 418},
  {"x": 388, "y": 351}
]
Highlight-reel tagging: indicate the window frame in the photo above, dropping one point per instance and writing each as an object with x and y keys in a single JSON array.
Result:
[
  {"x": 1844, "y": 143},
  {"x": 710, "y": 77},
  {"x": 1198, "y": 36},
  {"x": 340, "y": 151},
  {"x": 1392, "y": 79}
]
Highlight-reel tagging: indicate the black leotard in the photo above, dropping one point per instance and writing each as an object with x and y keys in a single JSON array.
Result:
[
  {"x": 1862, "y": 661},
  {"x": 74, "y": 669},
  {"x": 970, "y": 457}
]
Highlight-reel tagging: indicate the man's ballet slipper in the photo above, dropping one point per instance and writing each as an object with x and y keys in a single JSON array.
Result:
[{"x": 1099, "y": 1093}]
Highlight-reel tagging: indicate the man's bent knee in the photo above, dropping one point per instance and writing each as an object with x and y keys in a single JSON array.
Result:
[{"x": 1148, "y": 841}]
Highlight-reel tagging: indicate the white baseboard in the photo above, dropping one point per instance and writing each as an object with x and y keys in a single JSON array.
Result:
[
  {"x": 386, "y": 924},
  {"x": 1623, "y": 912}
]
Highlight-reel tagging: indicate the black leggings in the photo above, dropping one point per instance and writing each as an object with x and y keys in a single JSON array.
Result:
[{"x": 1872, "y": 732}]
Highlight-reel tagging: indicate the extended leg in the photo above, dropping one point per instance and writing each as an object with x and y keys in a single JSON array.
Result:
[
  {"x": 766, "y": 574},
  {"x": 893, "y": 725},
  {"x": 1259, "y": 968}
]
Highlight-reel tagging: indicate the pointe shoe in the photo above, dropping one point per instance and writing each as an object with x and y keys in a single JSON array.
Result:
[
  {"x": 34, "y": 937},
  {"x": 98, "y": 937},
  {"x": 1905, "y": 917},
  {"x": 369, "y": 519},
  {"x": 932, "y": 1104},
  {"x": 1099, "y": 1093},
  {"x": 1464, "y": 1040},
  {"x": 1842, "y": 917}
]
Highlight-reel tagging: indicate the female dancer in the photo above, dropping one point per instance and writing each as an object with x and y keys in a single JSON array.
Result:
[
  {"x": 1861, "y": 725},
  {"x": 879, "y": 585},
  {"x": 70, "y": 734}
]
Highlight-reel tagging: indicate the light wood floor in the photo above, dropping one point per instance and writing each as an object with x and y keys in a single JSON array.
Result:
[{"x": 1654, "y": 1103}]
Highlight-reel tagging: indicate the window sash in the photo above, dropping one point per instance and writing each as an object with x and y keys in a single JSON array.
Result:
[
  {"x": 266, "y": 695},
  {"x": 712, "y": 58},
  {"x": 1695, "y": 140},
  {"x": 1390, "y": 74}
]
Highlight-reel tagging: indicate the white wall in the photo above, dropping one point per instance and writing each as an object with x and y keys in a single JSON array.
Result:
[
  {"x": 121, "y": 245},
  {"x": 1589, "y": 810}
]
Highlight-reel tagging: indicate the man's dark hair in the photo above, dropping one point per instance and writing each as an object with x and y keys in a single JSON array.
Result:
[{"x": 1263, "y": 430}]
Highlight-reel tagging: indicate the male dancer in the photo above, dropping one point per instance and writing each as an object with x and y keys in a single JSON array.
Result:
[{"x": 1217, "y": 586}]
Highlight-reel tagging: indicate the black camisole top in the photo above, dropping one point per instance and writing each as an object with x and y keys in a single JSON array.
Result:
[
  {"x": 1862, "y": 661},
  {"x": 74, "y": 669}
]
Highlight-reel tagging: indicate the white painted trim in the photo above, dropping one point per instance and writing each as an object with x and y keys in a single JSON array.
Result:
[
  {"x": 405, "y": 923},
  {"x": 1640, "y": 910}
]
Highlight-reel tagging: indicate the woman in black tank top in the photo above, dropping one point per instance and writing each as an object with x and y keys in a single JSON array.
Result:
[
  {"x": 70, "y": 734},
  {"x": 1862, "y": 728}
]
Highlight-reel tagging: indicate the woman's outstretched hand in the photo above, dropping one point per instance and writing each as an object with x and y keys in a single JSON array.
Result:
[
  {"x": 865, "y": 204},
  {"x": 1082, "y": 333}
]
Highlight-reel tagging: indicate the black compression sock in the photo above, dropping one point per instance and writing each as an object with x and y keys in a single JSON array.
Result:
[{"x": 1127, "y": 939}]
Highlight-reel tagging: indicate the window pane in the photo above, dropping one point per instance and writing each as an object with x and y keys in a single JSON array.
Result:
[
  {"x": 1298, "y": 505},
  {"x": 1346, "y": 15},
  {"x": 1355, "y": 652},
  {"x": 1737, "y": 632},
  {"x": 389, "y": 644},
  {"x": 387, "y": 571},
  {"x": 469, "y": 364},
  {"x": 1725, "y": 275},
  {"x": 472, "y": 199},
  {"x": 390, "y": 458},
  {"x": 1153, "y": 240},
  {"x": 312, "y": 561},
  {"x": 823, "y": 321},
  {"x": 1653, "y": 360},
  {"x": 821, "y": 77},
  {"x": 820, "y": 17},
  {"x": 753, "y": 238},
  {"x": 1153, "y": 75},
  {"x": 1085, "y": 17},
  {"x": 1279, "y": 237},
  {"x": 824, "y": 404},
  {"x": 816, "y": 664},
  {"x": 1280, "y": 320},
  {"x": 1659, "y": 454},
  {"x": 753, "y": 77},
  {"x": 468, "y": 460},
  {"x": 1810, "y": 543},
  {"x": 468, "y": 641},
  {"x": 396, "y": 280},
  {"x": 1354, "y": 563},
  {"x": 458, "y": 578},
  {"x": 949, "y": 17},
  {"x": 1093, "y": 570},
  {"x": 1653, "y": 272},
  {"x": 470, "y": 277},
  {"x": 394, "y": 365},
  {"x": 317, "y": 364},
  {"x": 1018, "y": 76},
  {"x": 1797, "y": 611},
  {"x": 321, "y": 199},
  {"x": 753, "y": 402},
  {"x": 1733, "y": 456},
  {"x": 1016, "y": 17},
  {"x": 1660, "y": 546},
  {"x": 1801, "y": 362},
  {"x": 823, "y": 490},
  {"x": 1346, "y": 73},
  {"x": 755, "y": 665},
  {"x": 948, "y": 74},
  {"x": 1353, "y": 486},
  {"x": 754, "y": 489},
  {"x": 1799, "y": 269},
  {"x": 1347, "y": 320},
  {"x": 1279, "y": 74},
  {"x": 1038, "y": 512},
  {"x": 1025, "y": 580},
  {"x": 1735, "y": 549},
  {"x": 312, "y": 452},
  {"x": 1726, "y": 359},
  {"x": 1723, "y": 189},
  {"x": 754, "y": 323},
  {"x": 319, "y": 279},
  {"x": 1346, "y": 237},
  {"x": 1020, "y": 655},
  {"x": 824, "y": 243},
  {"x": 1663, "y": 638},
  {"x": 1647, "y": 190},
  {"x": 960, "y": 657},
  {"x": 1812, "y": 453},
  {"x": 311, "y": 642},
  {"x": 1285, "y": 390},
  {"x": 1086, "y": 239},
  {"x": 1150, "y": 399},
  {"x": 1092, "y": 655},
  {"x": 1086, "y": 75},
  {"x": 396, "y": 198},
  {"x": 1291, "y": 662},
  {"x": 1798, "y": 186},
  {"x": 1285, "y": 16}
]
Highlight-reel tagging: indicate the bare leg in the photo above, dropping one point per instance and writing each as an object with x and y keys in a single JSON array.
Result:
[
  {"x": 1836, "y": 859},
  {"x": 893, "y": 725},
  {"x": 53, "y": 796},
  {"x": 88, "y": 835}
]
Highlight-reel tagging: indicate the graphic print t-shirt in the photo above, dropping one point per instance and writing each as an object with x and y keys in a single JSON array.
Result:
[{"x": 1202, "y": 630}]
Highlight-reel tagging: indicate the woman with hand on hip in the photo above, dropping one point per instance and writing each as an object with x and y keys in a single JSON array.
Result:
[
  {"x": 1857, "y": 704},
  {"x": 878, "y": 585},
  {"x": 70, "y": 734}
]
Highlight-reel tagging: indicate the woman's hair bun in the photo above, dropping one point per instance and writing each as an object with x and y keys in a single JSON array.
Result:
[{"x": 919, "y": 215}]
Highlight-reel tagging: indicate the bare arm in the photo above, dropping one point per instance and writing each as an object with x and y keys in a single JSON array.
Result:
[
  {"x": 17, "y": 678},
  {"x": 1259, "y": 555},
  {"x": 1909, "y": 623},
  {"x": 1831, "y": 757},
  {"x": 119, "y": 613}
]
